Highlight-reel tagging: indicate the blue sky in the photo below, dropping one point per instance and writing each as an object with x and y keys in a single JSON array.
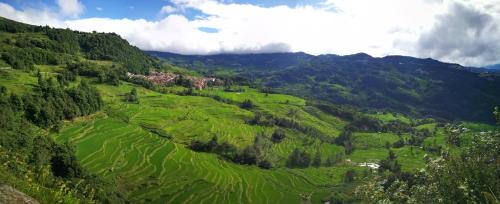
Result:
[
  {"x": 461, "y": 31},
  {"x": 148, "y": 9}
]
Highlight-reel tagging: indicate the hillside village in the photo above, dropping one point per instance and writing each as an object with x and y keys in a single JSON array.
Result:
[{"x": 167, "y": 78}]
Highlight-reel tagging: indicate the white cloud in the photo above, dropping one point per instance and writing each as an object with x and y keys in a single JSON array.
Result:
[
  {"x": 378, "y": 28},
  {"x": 31, "y": 16},
  {"x": 71, "y": 8},
  {"x": 465, "y": 34},
  {"x": 167, "y": 10},
  {"x": 98, "y": 8}
]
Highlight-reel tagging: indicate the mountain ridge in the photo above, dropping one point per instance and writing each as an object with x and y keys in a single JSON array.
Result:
[{"x": 398, "y": 83}]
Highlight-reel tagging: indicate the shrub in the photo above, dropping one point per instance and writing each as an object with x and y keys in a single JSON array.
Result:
[
  {"x": 298, "y": 159},
  {"x": 349, "y": 176},
  {"x": 398, "y": 144},
  {"x": 265, "y": 164},
  {"x": 247, "y": 104},
  {"x": 278, "y": 136}
]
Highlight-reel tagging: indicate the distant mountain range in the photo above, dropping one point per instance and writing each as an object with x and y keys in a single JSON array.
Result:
[
  {"x": 495, "y": 67},
  {"x": 421, "y": 87}
]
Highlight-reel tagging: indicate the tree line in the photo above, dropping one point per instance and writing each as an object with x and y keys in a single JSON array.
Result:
[{"x": 254, "y": 154}]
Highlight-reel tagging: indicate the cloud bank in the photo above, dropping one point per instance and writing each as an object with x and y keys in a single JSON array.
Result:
[{"x": 462, "y": 31}]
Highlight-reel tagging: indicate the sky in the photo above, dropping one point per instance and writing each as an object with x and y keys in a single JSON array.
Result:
[{"x": 460, "y": 31}]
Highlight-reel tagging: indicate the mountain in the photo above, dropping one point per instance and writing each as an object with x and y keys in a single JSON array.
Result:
[
  {"x": 494, "y": 67},
  {"x": 420, "y": 87},
  {"x": 276, "y": 61},
  {"x": 491, "y": 69}
]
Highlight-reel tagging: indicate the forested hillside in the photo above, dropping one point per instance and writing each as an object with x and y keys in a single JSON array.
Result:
[
  {"x": 419, "y": 87},
  {"x": 23, "y": 46}
]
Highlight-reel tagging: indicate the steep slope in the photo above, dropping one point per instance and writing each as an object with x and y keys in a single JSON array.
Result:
[
  {"x": 421, "y": 87},
  {"x": 22, "y": 46}
]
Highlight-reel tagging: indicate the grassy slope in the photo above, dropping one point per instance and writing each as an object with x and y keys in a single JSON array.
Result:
[
  {"x": 116, "y": 143},
  {"x": 154, "y": 169},
  {"x": 116, "y": 146}
]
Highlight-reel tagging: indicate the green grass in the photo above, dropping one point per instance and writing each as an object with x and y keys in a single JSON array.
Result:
[
  {"x": 479, "y": 127},
  {"x": 17, "y": 81},
  {"x": 429, "y": 126},
  {"x": 48, "y": 69},
  {"x": 373, "y": 140},
  {"x": 152, "y": 169},
  {"x": 411, "y": 159},
  {"x": 388, "y": 117}
]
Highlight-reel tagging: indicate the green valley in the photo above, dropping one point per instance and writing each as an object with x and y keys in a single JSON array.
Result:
[{"x": 83, "y": 121}]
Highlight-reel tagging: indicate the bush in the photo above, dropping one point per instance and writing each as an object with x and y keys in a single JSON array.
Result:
[
  {"x": 317, "y": 160},
  {"x": 265, "y": 164},
  {"x": 398, "y": 144},
  {"x": 345, "y": 139},
  {"x": 132, "y": 96},
  {"x": 248, "y": 156},
  {"x": 298, "y": 159},
  {"x": 390, "y": 163},
  {"x": 247, "y": 104},
  {"x": 349, "y": 176},
  {"x": 278, "y": 136}
]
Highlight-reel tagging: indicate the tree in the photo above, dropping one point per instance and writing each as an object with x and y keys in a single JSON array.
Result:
[
  {"x": 249, "y": 156},
  {"x": 349, "y": 176},
  {"x": 453, "y": 134},
  {"x": 344, "y": 136},
  {"x": 64, "y": 163},
  {"x": 265, "y": 164},
  {"x": 317, "y": 160},
  {"x": 398, "y": 144},
  {"x": 197, "y": 145},
  {"x": 387, "y": 145},
  {"x": 247, "y": 104},
  {"x": 3, "y": 91},
  {"x": 348, "y": 147},
  {"x": 299, "y": 159},
  {"x": 330, "y": 161},
  {"x": 226, "y": 150},
  {"x": 496, "y": 113},
  {"x": 132, "y": 96},
  {"x": 113, "y": 78},
  {"x": 391, "y": 156},
  {"x": 278, "y": 136},
  {"x": 390, "y": 163},
  {"x": 16, "y": 102},
  {"x": 345, "y": 139},
  {"x": 212, "y": 144}
]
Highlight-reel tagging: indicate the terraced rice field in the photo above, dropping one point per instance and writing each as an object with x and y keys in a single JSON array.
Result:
[
  {"x": 153, "y": 169},
  {"x": 141, "y": 148}
]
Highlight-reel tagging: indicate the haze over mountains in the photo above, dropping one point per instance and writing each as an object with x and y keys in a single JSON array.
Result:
[{"x": 423, "y": 87}]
